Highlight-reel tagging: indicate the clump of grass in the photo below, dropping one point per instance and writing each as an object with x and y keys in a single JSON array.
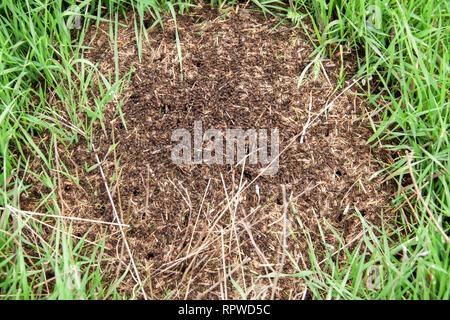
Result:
[{"x": 37, "y": 56}]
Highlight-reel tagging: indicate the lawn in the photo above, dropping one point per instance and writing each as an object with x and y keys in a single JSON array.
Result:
[{"x": 92, "y": 205}]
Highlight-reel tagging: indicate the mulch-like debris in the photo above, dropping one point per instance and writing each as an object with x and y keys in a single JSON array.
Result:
[{"x": 191, "y": 224}]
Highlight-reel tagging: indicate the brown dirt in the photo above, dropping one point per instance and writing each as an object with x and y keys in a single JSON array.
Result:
[{"x": 189, "y": 223}]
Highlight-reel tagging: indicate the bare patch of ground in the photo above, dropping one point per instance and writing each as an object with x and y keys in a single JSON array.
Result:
[{"x": 192, "y": 224}]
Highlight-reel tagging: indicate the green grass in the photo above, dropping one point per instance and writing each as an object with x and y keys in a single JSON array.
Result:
[
  {"x": 37, "y": 57},
  {"x": 403, "y": 59}
]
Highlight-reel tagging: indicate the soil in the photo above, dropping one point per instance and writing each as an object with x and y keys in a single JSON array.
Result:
[{"x": 192, "y": 223}]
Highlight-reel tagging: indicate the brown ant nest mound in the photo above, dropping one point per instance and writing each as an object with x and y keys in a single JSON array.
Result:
[{"x": 204, "y": 230}]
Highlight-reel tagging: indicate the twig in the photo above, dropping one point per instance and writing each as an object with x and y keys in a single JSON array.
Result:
[
  {"x": 284, "y": 244},
  {"x": 309, "y": 119},
  {"x": 62, "y": 217},
  {"x": 267, "y": 264},
  {"x": 200, "y": 296},
  {"x": 329, "y": 105},
  {"x": 116, "y": 215}
]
